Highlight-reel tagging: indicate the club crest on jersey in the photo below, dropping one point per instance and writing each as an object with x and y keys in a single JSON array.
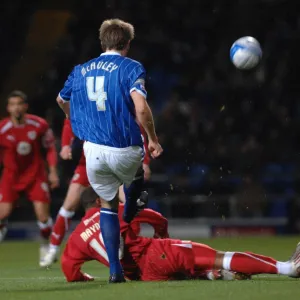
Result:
[
  {"x": 23, "y": 148},
  {"x": 31, "y": 135}
]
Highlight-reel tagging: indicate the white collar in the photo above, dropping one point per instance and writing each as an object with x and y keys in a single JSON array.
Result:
[{"x": 110, "y": 53}]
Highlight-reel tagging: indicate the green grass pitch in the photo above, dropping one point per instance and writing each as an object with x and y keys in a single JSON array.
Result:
[{"x": 21, "y": 278}]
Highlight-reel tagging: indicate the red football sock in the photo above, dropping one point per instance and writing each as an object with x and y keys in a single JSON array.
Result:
[
  {"x": 204, "y": 256},
  {"x": 61, "y": 226},
  {"x": 263, "y": 257},
  {"x": 248, "y": 263},
  {"x": 45, "y": 229},
  {"x": 45, "y": 232}
]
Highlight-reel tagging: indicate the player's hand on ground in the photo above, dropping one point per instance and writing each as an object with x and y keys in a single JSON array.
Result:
[
  {"x": 88, "y": 277},
  {"x": 147, "y": 172},
  {"x": 53, "y": 180},
  {"x": 66, "y": 153},
  {"x": 155, "y": 148}
]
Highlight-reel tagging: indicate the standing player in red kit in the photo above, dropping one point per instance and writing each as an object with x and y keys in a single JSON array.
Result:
[
  {"x": 78, "y": 184},
  {"x": 150, "y": 259},
  {"x": 23, "y": 139}
]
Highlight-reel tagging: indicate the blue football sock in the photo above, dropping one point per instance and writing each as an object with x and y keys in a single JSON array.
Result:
[
  {"x": 132, "y": 193},
  {"x": 110, "y": 229}
]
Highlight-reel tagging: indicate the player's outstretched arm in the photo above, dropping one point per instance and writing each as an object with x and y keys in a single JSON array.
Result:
[
  {"x": 52, "y": 161},
  {"x": 145, "y": 118},
  {"x": 71, "y": 267},
  {"x": 154, "y": 219},
  {"x": 146, "y": 162},
  {"x": 144, "y": 114},
  {"x": 48, "y": 142},
  {"x": 66, "y": 140}
]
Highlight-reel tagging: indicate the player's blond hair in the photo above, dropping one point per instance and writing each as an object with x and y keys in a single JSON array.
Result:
[{"x": 115, "y": 34}]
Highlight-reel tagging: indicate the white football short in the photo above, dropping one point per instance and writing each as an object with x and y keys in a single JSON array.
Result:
[{"x": 108, "y": 168}]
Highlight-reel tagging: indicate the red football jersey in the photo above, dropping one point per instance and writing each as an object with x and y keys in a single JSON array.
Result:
[
  {"x": 86, "y": 242},
  {"x": 21, "y": 149}
]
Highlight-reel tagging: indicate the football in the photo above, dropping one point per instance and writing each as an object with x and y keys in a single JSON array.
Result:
[{"x": 245, "y": 53}]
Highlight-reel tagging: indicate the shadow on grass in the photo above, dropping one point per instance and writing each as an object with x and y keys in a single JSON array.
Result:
[
  {"x": 275, "y": 278},
  {"x": 103, "y": 284},
  {"x": 76, "y": 286}
]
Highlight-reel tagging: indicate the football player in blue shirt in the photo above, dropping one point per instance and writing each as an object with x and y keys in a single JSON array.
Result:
[{"x": 105, "y": 99}]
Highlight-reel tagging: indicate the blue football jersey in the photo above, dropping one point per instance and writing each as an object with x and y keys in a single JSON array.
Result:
[{"x": 102, "y": 110}]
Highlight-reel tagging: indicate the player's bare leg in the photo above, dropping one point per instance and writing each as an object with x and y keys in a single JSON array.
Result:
[
  {"x": 44, "y": 222},
  {"x": 245, "y": 262},
  {"x": 122, "y": 197},
  {"x": 62, "y": 223},
  {"x": 5, "y": 211}
]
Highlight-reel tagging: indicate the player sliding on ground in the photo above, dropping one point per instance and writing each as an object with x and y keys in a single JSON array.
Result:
[
  {"x": 105, "y": 98},
  {"x": 23, "y": 140},
  {"x": 72, "y": 149},
  {"x": 151, "y": 259}
]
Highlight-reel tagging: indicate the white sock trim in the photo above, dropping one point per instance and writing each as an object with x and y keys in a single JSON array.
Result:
[
  {"x": 66, "y": 213},
  {"x": 227, "y": 260},
  {"x": 284, "y": 268},
  {"x": 48, "y": 224},
  {"x": 108, "y": 212}
]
